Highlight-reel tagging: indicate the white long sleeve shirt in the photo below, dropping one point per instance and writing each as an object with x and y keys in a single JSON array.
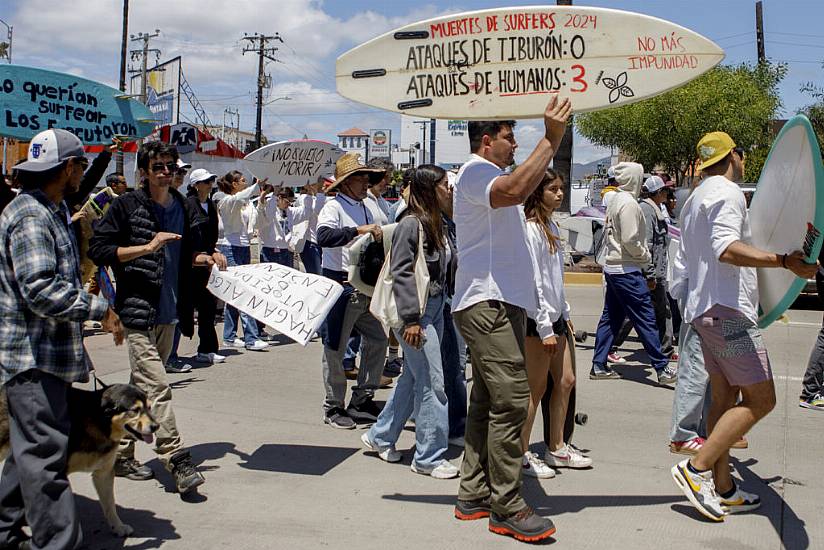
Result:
[
  {"x": 548, "y": 268},
  {"x": 274, "y": 224},
  {"x": 239, "y": 216},
  {"x": 311, "y": 205}
]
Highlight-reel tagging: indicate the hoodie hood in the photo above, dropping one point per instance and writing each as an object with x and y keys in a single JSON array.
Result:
[{"x": 629, "y": 176}]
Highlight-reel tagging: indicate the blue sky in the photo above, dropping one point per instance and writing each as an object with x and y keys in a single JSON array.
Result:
[{"x": 84, "y": 38}]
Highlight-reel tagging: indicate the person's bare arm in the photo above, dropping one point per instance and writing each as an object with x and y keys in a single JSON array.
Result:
[
  {"x": 514, "y": 189},
  {"x": 744, "y": 255}
]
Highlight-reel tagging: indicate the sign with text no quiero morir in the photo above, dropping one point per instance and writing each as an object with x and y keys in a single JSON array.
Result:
[
  {"x": 290, "y": 301},
  {"x": 504, "y": 63},
  {"x": 33, "y": 100},
  {"x": 294, "y": 163}
]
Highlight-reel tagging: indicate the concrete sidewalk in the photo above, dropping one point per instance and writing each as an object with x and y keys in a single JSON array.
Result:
[{"x": 277, "y": 477}]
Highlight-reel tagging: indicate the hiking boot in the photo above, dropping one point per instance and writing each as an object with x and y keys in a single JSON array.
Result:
[
  {"x": 567, "y": 457},
  {"x": 338, "y": 418},
  {"x": 132, "y": 469},
  {"x": 526, "y": 525},
  {"x": 688, "y": 447},
  {"x": 814, "y": 403},
  {"x": 466, "y": 510},
  {"x": 602, "y": 373},
  {"x": 699, "y": 488},
  {"x": 185, "y": 474},
  {"x": 367, "y": 411},
  {"x": 667, "y": 375},
  {"x": 393, "y": 368}
]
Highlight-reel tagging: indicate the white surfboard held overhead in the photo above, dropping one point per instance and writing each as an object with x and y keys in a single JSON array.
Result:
[
  {"x": 504, "y": 63},
  {"x": 294, "y": 163}
]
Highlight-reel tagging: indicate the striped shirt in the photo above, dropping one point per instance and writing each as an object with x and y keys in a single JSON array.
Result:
[{"x": 42, "y": 301}]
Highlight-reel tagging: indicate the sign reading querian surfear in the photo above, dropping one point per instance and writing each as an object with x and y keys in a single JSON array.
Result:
[
  {"x": 33, "y": 100},
  {"x": 503, "y": 63}
]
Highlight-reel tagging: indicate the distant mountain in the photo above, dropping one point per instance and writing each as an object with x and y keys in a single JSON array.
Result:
[{"x": 579, "y": 171}]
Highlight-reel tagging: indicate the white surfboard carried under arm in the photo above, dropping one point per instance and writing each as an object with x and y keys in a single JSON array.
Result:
[
  {"x": 787, "y": 213},
  {"x": 503, "y": 63}
]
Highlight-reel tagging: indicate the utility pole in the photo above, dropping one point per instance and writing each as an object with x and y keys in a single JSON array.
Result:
[
  {"x": 423, "y": 124},
  {"x": 143, "y": 54},
  {"x": 759, "y": 31},
  {"x": 124, "y": 48},
  {"x": 266, "y": 52},
  {"x": 563, "y": 156},
  {"x": 233, "y": 115}
]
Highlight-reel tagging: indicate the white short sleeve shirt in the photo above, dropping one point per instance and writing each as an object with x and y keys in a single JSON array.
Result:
[{"x": 493, "y": 257}]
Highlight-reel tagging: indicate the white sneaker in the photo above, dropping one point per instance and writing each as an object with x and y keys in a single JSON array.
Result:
[
  {"x": 535, "y": 467},
  {"x": 740, "y": 501},
  {"x": 457, "y": 442},
  {"x": 210, "y": 358},
  {"x": 236, "y": 343},
  {"x": 444, "y": 470},
  {"x": 388, "y": 455},
  {"x": 700, "y": 490},
  {"x": 178, "y": 367},
  {"x": 567, "y": 457},
  {"x": 258, "y": 345}
]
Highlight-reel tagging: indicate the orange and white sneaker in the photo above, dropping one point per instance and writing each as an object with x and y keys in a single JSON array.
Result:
[{"x": 740, "y": 501}]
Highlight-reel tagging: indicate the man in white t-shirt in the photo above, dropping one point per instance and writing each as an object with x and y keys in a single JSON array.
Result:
[
  {"x": 340, "y": 222},
  {"x": 722, "y": 305},
  {"x": 493, "y": 289}
]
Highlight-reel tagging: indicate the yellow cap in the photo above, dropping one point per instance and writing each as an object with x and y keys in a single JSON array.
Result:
[{"x": 714, "y": 147}]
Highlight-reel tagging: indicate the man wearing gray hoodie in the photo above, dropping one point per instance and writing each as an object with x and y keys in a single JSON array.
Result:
[{"x": 627, "y": 292}]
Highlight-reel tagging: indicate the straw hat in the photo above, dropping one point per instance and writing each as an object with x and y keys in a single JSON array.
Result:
[{"x": 350, "y": 164}]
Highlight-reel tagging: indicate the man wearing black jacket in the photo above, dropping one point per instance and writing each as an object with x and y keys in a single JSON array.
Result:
[{"x": 147, "y": 239}]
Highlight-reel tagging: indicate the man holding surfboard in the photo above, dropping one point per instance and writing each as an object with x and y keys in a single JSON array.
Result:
[
  {"x": 493, "y": 289},
  {"x": 722, "y": 305}
]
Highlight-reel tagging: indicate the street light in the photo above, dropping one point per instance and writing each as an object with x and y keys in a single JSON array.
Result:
[{"x": 284, "y": 98}]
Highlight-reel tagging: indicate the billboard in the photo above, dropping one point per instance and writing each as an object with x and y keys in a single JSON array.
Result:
[
  {"x": 380, "y": 142},
  {"x": 162, "y": 91}
]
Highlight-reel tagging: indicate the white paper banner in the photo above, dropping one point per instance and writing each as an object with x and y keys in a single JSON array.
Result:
[{"x": 290, "y": 301}]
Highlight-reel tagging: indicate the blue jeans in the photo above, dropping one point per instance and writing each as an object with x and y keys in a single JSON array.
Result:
[
  {"x": 691, "y": 403},
  {"x": 238, "y": 255},
  {"x": 311, "y": 257},
  {"x": 453, "y": 359},
  {"x": 420, "y": 389},
  {"x": 281, "y": 256},
  {"x": 628, "y": 295}
]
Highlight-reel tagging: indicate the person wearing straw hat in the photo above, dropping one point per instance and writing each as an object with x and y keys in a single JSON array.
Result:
[
  {"x": 722, "y": 305},
  {"x": 340, "y": 222}
]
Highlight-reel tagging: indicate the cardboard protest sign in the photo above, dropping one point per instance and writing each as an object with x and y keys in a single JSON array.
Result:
[
  {"x": 33, "y": 100},
  {"x": 290, "y": 301},
  {"x": 294, "y": 163},
  {"x": 503, "y": 63}
]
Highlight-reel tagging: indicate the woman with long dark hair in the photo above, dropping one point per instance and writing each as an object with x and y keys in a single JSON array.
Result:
[
  {"x": 548, "y": 352},
  {"x": 420, "y": 389}
]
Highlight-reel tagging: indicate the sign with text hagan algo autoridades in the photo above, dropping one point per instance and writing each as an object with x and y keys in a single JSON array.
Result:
[
  {"x": 504, "y": 63},
  {"x": 33, "y": 100}
]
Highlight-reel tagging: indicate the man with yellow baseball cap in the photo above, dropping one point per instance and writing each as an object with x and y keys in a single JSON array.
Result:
[{"x": 722, "y": 305}]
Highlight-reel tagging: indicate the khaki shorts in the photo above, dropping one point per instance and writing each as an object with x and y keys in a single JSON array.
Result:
[{"x": 733, "y": 346}]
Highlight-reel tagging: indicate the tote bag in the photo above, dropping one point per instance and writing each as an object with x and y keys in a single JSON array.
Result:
[{"x": 383, "y": 305}]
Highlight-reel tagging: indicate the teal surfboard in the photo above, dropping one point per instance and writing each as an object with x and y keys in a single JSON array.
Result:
[
  {"x": 33, "y": 100},
  {"x": 787, "y": 213}
]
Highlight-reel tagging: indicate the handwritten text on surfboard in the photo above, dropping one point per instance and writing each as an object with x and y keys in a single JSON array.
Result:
[
  {"x": 458, "y": 45},
  {"x": 68, "y": 107},
  {"x": 299, "y": 161}
]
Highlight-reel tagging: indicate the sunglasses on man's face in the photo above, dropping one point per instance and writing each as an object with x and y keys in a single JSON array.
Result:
[{"x": 160, "y": 166}]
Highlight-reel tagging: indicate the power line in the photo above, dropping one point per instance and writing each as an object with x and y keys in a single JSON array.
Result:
[{"x": 264, "y": 52}]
